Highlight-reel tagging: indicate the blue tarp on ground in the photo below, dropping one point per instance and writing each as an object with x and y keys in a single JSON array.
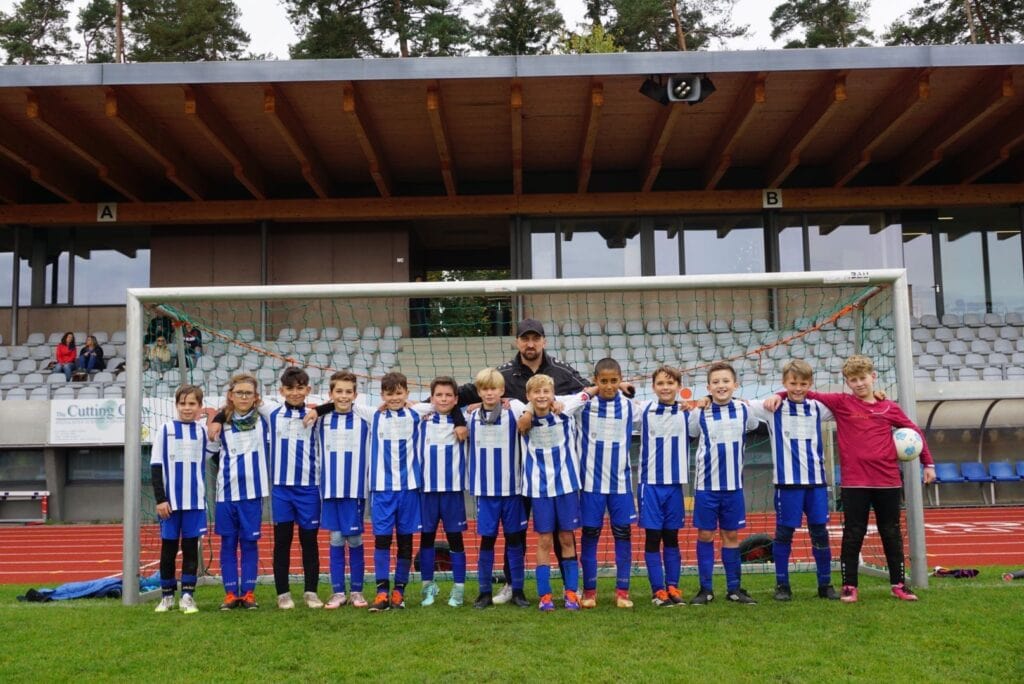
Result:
[{"x": 107, "y": 587}]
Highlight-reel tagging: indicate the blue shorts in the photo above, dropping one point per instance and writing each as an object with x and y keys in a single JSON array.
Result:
[
  {"x": 242, "y": 519},
  {"x": 296, "y": 504},
  {"x": 792, "y": 502},
  {"x": 186, "y": 524},
  {"x": 621, "y": 509},
  {"x": 508, "y": 510},
  {"x": 395, "y": 510},
  {"x": 447, "y": 507},
  {"x": 719, "y": 510},
  {"x": 343, "y": 515},
  {"x": 661, "y": 507},
  {"x": 553, "y": 513}
]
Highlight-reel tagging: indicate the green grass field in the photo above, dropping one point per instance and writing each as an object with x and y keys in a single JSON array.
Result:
[{"x": 960, "y": 630}]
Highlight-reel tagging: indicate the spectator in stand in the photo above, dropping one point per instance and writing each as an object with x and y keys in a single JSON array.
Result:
[
  {"x": 65, "y": 356},
  {"x": 159, "y": 356},
  {"x": 90, "y": 359},
  {"x": 193, "y": 341}
]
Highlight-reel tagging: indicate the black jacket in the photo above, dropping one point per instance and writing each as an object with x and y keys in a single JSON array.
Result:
[{"x": 516, "y": 374}]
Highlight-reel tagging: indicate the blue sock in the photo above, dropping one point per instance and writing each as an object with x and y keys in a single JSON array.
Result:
[
  {"x": 731, "y": 561},
  {"x": 337, "y": 558},
  {"x": 543, "y": 580},
  {"x": 168, "y": 586},
  {"x": 655, "y": 570},
  {"x": 250, "y": 564},
  {"x": 485, "y": 570},
  {"x": 229, "y": 563},
  {"x": 571, "y": 578},
  {"x": 517, "y": 566},
  {"x": 459, "y": 567},
  {"x": 623, "y": 563},
  {"x": 402, "y": 573},
  {"x": 188, "y": 584},
  {"x": 381, "y": 564},
  {"x": 780, "y": 552},
  {"x": 705, "y": 563},
  {"x": 673, "y": 565},
  {"x": 822, "y": 559},
  {"x": 427, "y": 556},
  {"x": 588, "y": 557},
  {"x": 357, "y": 563}
]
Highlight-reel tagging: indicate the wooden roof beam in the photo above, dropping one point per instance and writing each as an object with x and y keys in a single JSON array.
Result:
[
  {"x": 661, "y": 133},
  {"x": 151, "y": 137},
  {"x": 441, "y": 137},
  {"x": 294, "y": 134},
  {"x": 994, "y": 149},
  {"x": 897, "y": 106},
  {"x": 367, "y": 140},
  {"x": 814, "y": 117},
  {"x": 49, "y": 116},
  {"x": 212, "y": 125},
  {"x": 751, "y": 97},
  {"x": 586, "y": 164},
  {"x": 978, "y": 104},
  {"x": 516, "y": 115},
  {"x": 48, "y": 173}
]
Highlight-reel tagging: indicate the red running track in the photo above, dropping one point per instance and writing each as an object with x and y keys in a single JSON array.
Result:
[{"x": 48, "y": 555}]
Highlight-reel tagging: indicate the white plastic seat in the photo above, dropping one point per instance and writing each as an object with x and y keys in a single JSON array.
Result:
[
  {"x": 655, "y": 327},
  {"x": 330, "y": 334},
  {"x": 10, "y": 380},
  {"x": 937, "y": 348},
  {"x": 920, "y": 334},
  {"x": 393, "y": 332},
  {"x": 303, "y": 348},
  {"x": 928, "y": 361},
  {"x": 952, "y": 320},
  {"x": 26, "y": 366},
  {"x": 37, "y": 338},
  {"x": 17, "y": 352},
  {"x": 87, "y": 392},
  {"x": 945, "y": 334},
  {"x": 697, "y": 326},
  {"x": 967, "y": 374},
  {"x": 350, "y": 333},
  {"x": 1014, "y": 318},
  {"x": 942, "y": 375},
  {"x": 987, "y": 332},
  {"x": 930, "y": 321},
  {"x": 118, "y": 337},
  {"x": 371, "y": 332},
  {"x": 675, "y": 326},
  {"x": 16, "y": 394},
  {"x": 56, "y": 337},
  {"x": 993, "y": 319},
  {"x": 101, "y": 337},
  {"x": 760, "y": 325},
  {"x": 922, "y": 374},
  {"x": 958, "y": 347},
  {"x": 113, "y": 392},
  {"x": 173, "y": 377},
  {"x": 56, "y": 379},
  {"x": 613, "y": 327},
  {"x": 634, "y": 327},
  {"x": 287, "y": 335},
  {"x": 592, "y": 328},
  {"x": 1002, "y": 346},
  {"x": 997, "y": 360},
  {"x": 206, "y": 363},
  {"x": 388, "y": 360},
  {"x": 6, "y": 366},
  {"x": 1014, "y": 373},
  {"x": 228, "y": 362},
  {"x": 41, "y": 393},
  {"x": 976, "y": 361},
  {"x": 973, "y": 320}
]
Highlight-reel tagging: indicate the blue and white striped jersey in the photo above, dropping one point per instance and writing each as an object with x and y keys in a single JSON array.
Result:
[
  {"x": 722, "y": 432},
  {"x": 442, "y": 456},
  {"x": 394, "y": 463},
  {"x": 550, "y": 461},
  {"x": 664, "y": 444},
  {"x": 180, "y": 449},
  {"x": 342, "y": 440},
  {"x": 795, "y": 433},
  {"x": 606, "y": 428},
  {"x": 243, "y": 462},
  {"x": 494, "y": 462},
  {"x": 293, "y": 451}
]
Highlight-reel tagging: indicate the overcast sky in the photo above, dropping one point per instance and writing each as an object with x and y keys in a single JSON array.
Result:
[{"x": 266, "y": 22}]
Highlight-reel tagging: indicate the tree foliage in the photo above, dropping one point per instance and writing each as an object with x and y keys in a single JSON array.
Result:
[
  {"x": 825, "y": 23},
  {"x": 594, "y": 41},
  {"x": 333, "y": 29},
  {"x": 184, "y": 30},
  {"x": 520, "y": 27},
  {"x": 468, "y": 316},
  {"x": 36, "y": 32},
  {"x": 651, "y": 25},
  {"x": 96, "y": 23},
  {"x": 945, "y": 22}
]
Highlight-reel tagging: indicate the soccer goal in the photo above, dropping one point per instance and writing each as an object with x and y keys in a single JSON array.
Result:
[{"x": 755, "y": 321}]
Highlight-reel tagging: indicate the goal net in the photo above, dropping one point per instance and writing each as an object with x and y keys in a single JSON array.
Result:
[{"x": 425, "y": 330}]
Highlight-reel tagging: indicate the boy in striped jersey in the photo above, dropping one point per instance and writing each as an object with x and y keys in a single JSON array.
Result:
[
  {"x": 606, "y": 428},
  {"x": 242, "y": 484},
  {"x": 718, "y": 499},
  {"x": 664, "y": 447},
  {"x": 550, "y": 480},
  {"x": 441, "y": 449},
  {"x": 178, "y": 466},
  {"x": 798, "y": 472},
  {"x": 494, "y": 479},
  {"x": 342, "y": 435}
]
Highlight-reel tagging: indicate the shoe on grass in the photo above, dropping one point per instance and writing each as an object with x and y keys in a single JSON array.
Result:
[
  {"x": 622, "y": 599},
  {"x": 589, "y": 598},
  {"x": 849, "y": 594},
  {"x": 429, "y": 591},
  {"x": 337, "y": 600},
  {"x": 248, "y": 601},
  {"x": 903, "y": 592},
  {"x": 783, "y": 592},
  {"x": 661, "y": 599},
  {"x": 312, "y": 600},
  {"x": 381, "y": 602},
  {"x": 675, "y": 596},
  {"x": 504, "y": 595},
  {"x": 703, "y": 597},
  {"x": 546, "y": 605},
  {"x": 484, "y": 600},
  {"x": 358, "y": 600},
  {"x": 572, "y": 600},
  {"x": 827, "y": 591},
  {"x": 741, "y": 596},
  {"x": 188, "y": 604},
  {"x": 166, "y": 604},
  {"x": 458, "y": 596},
  {"x": 397, "y": 599},
  {"x": 519, "y": 599},
  {"x": 230, "y": 601},
  {"x": 284, "y": 601}
]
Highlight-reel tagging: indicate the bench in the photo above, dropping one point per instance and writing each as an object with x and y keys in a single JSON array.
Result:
[{"x": 41, "y": 496}]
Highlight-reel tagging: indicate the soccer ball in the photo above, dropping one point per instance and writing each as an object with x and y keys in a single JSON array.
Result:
[{"x": 908, "y": 444}]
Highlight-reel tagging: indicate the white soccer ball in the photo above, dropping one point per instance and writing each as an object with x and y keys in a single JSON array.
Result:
[{"x": 908, "y": 444}]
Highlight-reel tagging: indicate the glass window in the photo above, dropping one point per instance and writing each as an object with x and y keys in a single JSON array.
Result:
[
  {"x": 1006, "y": 270},
  {"x": 724, "y": 244},
  {"x": 963, "y": 274},
  {"x": 543, "y": 256},
  {"x": 25, "y": 283},
  {"x": 840, "y": 242},
  {"x": 791, "y": 244},
  {"x": 6, "y": 277},
  {"x": 22, "y": 465},
  {"x": 666, "y": 247},
  {"x": 917, "y": 255},
  {"x": 86, "y": 465},
  {"x": 104, "y": 276},
  {"x": 603, "y": 248}
]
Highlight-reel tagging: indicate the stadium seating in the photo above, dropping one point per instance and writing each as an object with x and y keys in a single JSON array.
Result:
[
  {"x": 974, "y": 471},
  {"x": 1001, "y": 471},
  {"x": 946, "y": 473}
]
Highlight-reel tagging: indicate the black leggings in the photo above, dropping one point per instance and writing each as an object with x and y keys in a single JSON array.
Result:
[{"x": 857, "y": 502}]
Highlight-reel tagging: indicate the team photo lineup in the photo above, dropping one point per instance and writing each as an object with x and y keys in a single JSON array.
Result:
[{"x": 530, "y": 438}]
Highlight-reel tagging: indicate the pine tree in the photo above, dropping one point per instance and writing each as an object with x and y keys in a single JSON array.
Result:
[
  {"x": 651, "y": 25},
  {"x": 184, "y": 30},
  {"x": 442, "y": 30},
  {"x": 947, "y": 22},
  {"x": 825, "y": 23},
  {"x": 520, "y": 27},
  {"x": 96, "y": 23},
  {"x": 36, "y": 32},
  {"x": 334, "y": 28}
]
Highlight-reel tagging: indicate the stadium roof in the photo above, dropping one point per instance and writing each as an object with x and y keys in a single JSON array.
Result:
[{"x": 494, "y": 136}]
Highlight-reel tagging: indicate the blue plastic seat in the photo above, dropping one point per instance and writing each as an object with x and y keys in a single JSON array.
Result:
[
  {"x": 947, "y": 472},
  {"x": 1002, "y": 471},
  {"x": 1020, "y": 469},
  {"x": 973, "y": 471}
]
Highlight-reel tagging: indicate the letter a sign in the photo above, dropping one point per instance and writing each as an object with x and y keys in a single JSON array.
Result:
[
  {"x": 106, "y": 212},
  {"x": 771, "y": 199}
]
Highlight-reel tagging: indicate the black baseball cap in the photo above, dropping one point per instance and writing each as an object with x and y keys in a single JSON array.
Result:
[{"x": 530, "y": 325}]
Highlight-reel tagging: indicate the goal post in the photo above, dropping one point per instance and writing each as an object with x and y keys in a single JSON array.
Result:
[{"x": 792, "y": 313}]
